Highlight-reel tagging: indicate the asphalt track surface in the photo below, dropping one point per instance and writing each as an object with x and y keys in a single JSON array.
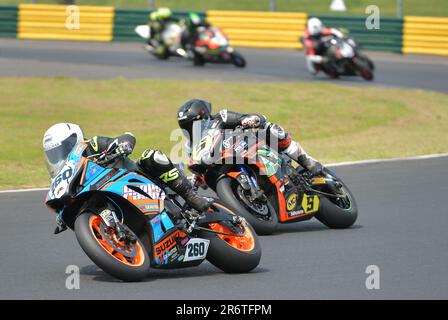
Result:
[
  {"x": 402, "y": 229},
  {"x": 88, "y": 60}
]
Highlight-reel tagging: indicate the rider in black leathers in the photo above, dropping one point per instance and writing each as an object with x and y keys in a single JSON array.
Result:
[
  {"x": 197, "y": 109},
  {"x": 194, "y": 24}
]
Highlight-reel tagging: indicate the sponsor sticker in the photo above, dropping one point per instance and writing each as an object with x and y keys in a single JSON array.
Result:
[
  {"x": 291, "y": 203},
  {"x": 152, "y": 190}
]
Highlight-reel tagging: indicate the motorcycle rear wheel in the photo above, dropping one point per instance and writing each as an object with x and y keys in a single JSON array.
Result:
[
  {"x": 233, "y": 254},
  {"x": 127, "y": 262}
]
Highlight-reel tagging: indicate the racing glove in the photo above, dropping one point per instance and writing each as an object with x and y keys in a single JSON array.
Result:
[
  {"x": 253, "y": 121},
  {"x": 124, "y": 148}
]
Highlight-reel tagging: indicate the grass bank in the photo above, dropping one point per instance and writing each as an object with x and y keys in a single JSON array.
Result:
[{"x": 333, "y": 123}]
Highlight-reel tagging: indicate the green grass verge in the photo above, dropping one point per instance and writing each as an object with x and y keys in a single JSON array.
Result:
[
  {"x": 387, "y": 7},
  {"x": 333, "y": 123}
]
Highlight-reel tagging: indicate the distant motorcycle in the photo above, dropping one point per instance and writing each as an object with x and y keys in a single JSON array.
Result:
[
  {"x": 213, "y": 46},
  {"x": 171, "y": 41},
  {"x": 343, "y": 58}
]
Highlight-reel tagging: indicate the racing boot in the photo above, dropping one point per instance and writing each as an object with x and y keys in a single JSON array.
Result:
[
  {"x": 291, "y": 148},
  {"x": 156, "y": 163},
  {"x": 183, "y": 187},
  {"x": 296, "y": 153}
]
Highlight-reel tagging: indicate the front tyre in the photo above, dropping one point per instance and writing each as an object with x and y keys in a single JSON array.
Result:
[
  {"x": 367, "y": 74},
  {"x": 365, "y": 67},
  {"x": 161, "y": 52},
  {"x": 125, "y": 261},
  {"x": 227, "y": 190},
  {"x": 238, "y": 60},
  {"x": 338, "y": 213},
  {"x": 233, "y": 254}
]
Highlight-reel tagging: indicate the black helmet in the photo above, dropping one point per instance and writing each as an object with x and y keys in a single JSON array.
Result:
[{"x": 192, "y": 110}]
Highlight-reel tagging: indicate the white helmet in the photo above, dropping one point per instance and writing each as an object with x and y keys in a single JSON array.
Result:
[
  {"x": 314, "y": 26},
  {"x": 59, "y": 140}
]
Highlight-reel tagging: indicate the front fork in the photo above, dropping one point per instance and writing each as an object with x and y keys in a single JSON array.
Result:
[
  {"x": 249, "y": 183},
  {"x": 111, "y": 220}
]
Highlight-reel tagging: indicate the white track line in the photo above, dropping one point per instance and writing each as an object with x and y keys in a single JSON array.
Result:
[
  {"x": 23, "y": 190},
  {"x": 423, "y": 157},
  {"x": 338, "y": 164}
]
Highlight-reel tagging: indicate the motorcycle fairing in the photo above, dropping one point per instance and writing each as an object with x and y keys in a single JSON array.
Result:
[
  {"x": 59, "y": 185},
  {"x": 147, "y": 196},
  {"x": 270, "y": 160},
  {"x": 170, "y": 244}
]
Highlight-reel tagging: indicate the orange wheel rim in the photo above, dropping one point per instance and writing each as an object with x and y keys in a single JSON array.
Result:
[
  {"x": 245, "y": 242},
  {"x": 129, "y": 254}
]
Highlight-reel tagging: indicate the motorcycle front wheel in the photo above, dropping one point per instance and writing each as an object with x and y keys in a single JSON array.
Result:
[
  {"x": 264, "y": 224},
  {"x": 238, "y": 60},
  {"x": 365, "y": 67},
  {"x": 124, "y": 261},
  {"x": 338, "y": 213}
]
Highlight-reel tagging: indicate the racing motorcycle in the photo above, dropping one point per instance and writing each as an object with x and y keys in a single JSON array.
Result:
[
  {"x": 263, "y": 185},
  {"x": 171, "y": 38},
  {"x": 213, "y": 46},
  {"x": 128, "y": 223},
  {"x": 343, "y": 58}
]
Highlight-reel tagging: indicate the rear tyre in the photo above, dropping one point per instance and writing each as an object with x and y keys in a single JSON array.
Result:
[
  {"x": 127, "y": 262},
  {"x": 226, "y": 190},
  {"x": 198, "y": 60},
  {"x": 238, "y": 60},
  {"x": 335, "y": 215},
  {"x": 233, "y": 254}
]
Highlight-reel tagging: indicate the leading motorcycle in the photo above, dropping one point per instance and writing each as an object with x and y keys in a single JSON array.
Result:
[
  {"x": 128, "y": 223},
  {"x": 263, "y": 185},
  {"x": 344, "y": 58}
]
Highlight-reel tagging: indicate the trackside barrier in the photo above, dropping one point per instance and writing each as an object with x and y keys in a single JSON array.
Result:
[
  {"x": 260, "y": 29},
  {"x": 8, "y": 21},
  {"x": 425, "y": 35},
  {"x": 127, "y": 19},
  {"x": 54, "y": 22},
  {"x": 412, "y": 34},
  {"x": 387, "y": 38}
]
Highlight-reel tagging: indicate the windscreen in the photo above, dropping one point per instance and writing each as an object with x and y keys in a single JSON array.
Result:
[{"x": 55, "y": 157}]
